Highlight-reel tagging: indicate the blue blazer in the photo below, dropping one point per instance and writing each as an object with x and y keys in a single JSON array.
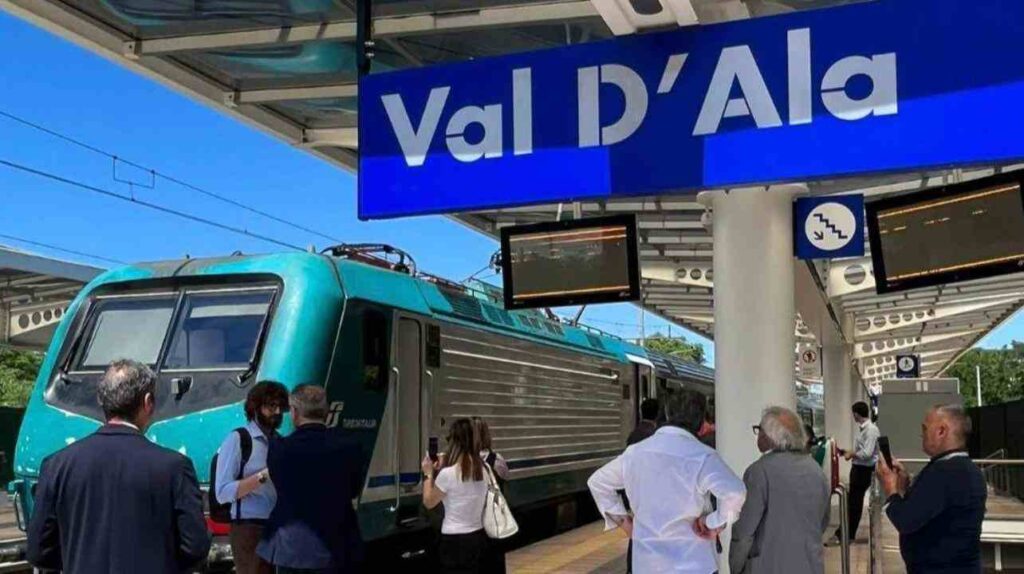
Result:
[
  {"x": 114, "y": 502},
  {"x": 317, "y": 473}
]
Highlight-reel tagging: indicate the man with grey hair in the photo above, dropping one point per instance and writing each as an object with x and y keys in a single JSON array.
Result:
[
  {"x": 787, "y": 507},
  {"x": 115, "y": 502},
  {"x": 317, "y": 472},
  {"x": 669, "y": 479},
  {"x": 939, "y": 514}
]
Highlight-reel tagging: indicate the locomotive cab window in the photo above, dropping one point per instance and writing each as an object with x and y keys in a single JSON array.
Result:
[
  {"x": 375, "y": 350},
  {"x": 127, "y": 328},
  {"x": 218, "y": 331}
]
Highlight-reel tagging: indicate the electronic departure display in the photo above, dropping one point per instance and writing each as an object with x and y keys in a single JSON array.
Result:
[
  {"x": 948, "y": 234},
  {"x": 570, "y": 263}
]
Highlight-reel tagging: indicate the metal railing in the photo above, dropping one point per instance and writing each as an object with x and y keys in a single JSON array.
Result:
[{"x": 844, "y": 527}]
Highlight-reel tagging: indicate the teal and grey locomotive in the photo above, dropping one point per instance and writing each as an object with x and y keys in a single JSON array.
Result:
[{"x": 400, "y": 354}]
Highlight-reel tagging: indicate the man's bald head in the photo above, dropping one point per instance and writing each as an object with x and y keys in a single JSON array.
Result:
[{"x": 945, "y": 428}]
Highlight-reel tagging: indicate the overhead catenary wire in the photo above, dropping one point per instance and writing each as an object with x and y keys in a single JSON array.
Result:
[
  {"x": 157, "y": 174},
  {"x": 61, "y": 249},
  {"x": 141, "y": 202}
]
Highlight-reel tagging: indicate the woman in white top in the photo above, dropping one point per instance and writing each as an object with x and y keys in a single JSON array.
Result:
[{"x": 457, "y": 480}]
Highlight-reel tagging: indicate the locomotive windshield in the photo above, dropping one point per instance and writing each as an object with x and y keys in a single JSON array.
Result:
[
  {"x": 214, "y": 330},
  {"x": 202, "y": 343},
  {"x": 133, "y": 328},
  {"x": 218, "y": 331}
]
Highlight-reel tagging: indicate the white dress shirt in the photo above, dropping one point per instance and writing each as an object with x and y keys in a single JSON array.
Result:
[
  {"x": 865, "y": 446},
  {"x": 668, "y": 479}
]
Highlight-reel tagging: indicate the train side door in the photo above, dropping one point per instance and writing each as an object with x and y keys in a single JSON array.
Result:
[
  {"x": 643, "y": 388},
  {"x": 411, "y": 444}
]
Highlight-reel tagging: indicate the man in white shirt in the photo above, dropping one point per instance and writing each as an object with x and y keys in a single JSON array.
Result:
[
  {"x": 669, "y": 479},
  {"x": 863, "y": 457}
]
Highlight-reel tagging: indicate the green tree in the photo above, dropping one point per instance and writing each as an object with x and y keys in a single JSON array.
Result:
[
  {"x": 677, "y": 347},
  {"x": 1002, "y": 374},
  {"x": 18, "y": 370}
]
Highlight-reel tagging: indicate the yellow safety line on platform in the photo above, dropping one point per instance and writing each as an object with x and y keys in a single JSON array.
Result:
[{"x": 571, "y": 554}]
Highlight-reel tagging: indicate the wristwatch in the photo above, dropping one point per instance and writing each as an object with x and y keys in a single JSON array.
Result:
[{"x": 262, "y": 477}]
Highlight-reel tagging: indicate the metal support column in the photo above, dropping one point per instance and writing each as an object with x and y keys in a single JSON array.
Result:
[
  {"x": 875, "y": 524},
  {"x": 364, "y": 36},
  {"x": 844, "y": 527}
]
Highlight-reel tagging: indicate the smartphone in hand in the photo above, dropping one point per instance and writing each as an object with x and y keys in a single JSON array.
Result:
[
  {"x": 883, "y": 446},
  {"x": 432, "y": 448}
]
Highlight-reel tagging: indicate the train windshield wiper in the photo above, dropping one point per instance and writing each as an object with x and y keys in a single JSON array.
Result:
[{"x": 63, "y": 376}]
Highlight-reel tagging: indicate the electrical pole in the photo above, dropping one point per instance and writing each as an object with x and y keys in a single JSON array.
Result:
[
  {"x": 977, "y": 372},
  {"x": 643, "y": 334}
]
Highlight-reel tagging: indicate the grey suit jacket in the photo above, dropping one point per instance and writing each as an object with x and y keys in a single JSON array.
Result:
[{"x": 784, "y": 517}]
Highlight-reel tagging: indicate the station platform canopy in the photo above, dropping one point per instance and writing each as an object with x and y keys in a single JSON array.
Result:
[
  {"x": 34, "y": 294},
  {"x": 288, "y": 67}
]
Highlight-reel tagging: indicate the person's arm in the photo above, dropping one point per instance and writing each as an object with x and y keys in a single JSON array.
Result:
[
  {"x": 745, "y": 528},
  {"x": 911, "y": 511},
  {"x": 43, "y": 547},
  {"x": 229, "y": 458},
  {"x": 605, "y": 485},
  {"x": 500, "y": 466},
  {"x": 193, "y": 539},
  {"x": 435, "y": 482},
  {"x": 717, "y": 478}
]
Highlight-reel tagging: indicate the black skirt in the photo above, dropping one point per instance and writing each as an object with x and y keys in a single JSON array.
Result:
[{"x": 464, "y": 553}]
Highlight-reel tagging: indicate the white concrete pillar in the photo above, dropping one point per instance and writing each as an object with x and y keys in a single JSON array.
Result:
[
  {"x": 754, "y": 312},
  {"x": 837, "y": 374}
]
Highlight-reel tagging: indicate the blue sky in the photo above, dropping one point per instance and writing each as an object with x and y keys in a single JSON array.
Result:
[
  {"x": 63, "y": 87},
  {"x": 54, "y": 83}
]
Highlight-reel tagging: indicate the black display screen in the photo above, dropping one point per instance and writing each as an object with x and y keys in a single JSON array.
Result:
[
  {"x": 949, "y": 234},
  {"x": 570, "y": 263}
]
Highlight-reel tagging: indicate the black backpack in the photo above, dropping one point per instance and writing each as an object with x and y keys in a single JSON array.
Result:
[{"x": 221, "y": 513}]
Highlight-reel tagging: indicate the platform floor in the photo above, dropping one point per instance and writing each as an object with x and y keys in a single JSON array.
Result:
[{"x": 590, "y": 550}]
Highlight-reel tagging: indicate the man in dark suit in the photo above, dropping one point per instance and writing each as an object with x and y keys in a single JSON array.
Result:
[
  {"x": 114, "y": 502},
  {"x": 317, "y": 473},
  {"x": 939, "y": 513}
]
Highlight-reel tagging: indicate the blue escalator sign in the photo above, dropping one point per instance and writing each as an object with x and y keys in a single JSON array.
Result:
[
  {"x": 828, "y": 227},
  {"x": 863, "y": 88}
]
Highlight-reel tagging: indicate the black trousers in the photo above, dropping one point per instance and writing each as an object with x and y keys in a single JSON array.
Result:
[
  {"x": 860, "y": 483},
  {"x": 464, "y": 553}
]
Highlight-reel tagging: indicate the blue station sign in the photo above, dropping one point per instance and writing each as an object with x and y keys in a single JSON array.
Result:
[{"x": 882, "y": 86}]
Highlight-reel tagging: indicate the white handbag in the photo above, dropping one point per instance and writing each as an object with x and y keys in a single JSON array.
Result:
[{"x": 498, "y": 521}]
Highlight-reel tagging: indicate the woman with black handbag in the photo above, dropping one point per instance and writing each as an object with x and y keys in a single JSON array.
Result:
[{"x": 457, "y": 481}]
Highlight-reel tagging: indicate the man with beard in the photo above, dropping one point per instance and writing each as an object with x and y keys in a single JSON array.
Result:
[{"x": 242, "y": 476}]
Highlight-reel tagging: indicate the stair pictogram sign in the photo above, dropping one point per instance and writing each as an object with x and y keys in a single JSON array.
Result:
[{"x": 829, "y": 227}]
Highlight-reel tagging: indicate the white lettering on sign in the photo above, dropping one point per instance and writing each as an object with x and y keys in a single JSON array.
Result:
[
  {"x": 634, "y": 93},
  {"x": 737, "y": 67}
]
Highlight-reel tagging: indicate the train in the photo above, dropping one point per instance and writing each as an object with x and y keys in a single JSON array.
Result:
[{"x": 400, "y": 353}]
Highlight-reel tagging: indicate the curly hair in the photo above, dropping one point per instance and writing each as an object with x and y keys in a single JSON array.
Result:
[{"x": 264, "y": 393}]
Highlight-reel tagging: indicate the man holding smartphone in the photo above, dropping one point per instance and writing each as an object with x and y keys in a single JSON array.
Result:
[
  {"x": 864, "y": 457},
  {"x": 939, "y": 514}
]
